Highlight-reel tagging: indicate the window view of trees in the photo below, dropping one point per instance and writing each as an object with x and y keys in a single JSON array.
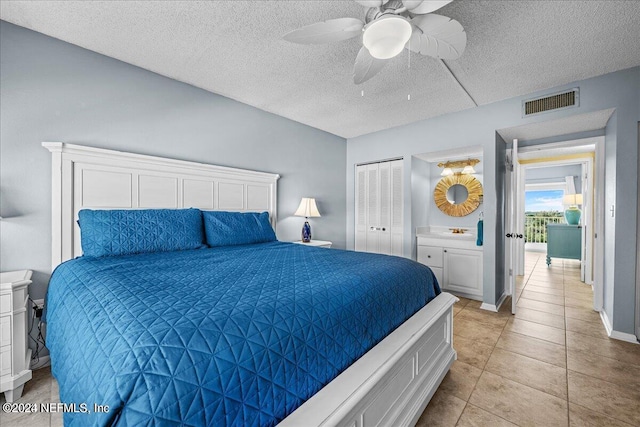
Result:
[{"x": 541, "y": 208}]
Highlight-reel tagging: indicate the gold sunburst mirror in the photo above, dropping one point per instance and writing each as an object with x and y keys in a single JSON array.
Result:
[{"x": 458, "y": 195}]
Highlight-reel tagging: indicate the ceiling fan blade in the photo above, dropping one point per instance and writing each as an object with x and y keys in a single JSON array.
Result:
[
  {"x": 420, "y": 7},
  {"x": 437, "y": 36},
  {"x": 371, "y": 3},
  {"x": 329, "y": 31},
  {"x": 366, "y": 66}
]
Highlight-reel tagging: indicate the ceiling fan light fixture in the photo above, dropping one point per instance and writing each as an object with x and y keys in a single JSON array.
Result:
[{"x": 386, "y": 36}]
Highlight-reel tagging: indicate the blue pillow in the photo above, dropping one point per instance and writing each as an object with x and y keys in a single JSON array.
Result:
[
  {"x": 122, "y": 232},
  {"x": 237, "y": 228}
]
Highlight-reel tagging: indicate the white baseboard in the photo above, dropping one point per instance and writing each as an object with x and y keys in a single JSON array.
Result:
[
  {"x": 612, "y": 333},
  {"x": 492, "y": 307},
  {"x": 606, "y": 322},
  {"x": 623, "y": 336},
  {"x": 42, "y": 362}
]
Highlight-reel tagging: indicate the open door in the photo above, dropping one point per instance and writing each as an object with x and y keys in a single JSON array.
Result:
[{"x": 511, "y": 218}]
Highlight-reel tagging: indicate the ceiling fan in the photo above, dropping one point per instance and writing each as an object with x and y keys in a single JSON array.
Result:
[{"x": 390, "y": 26}]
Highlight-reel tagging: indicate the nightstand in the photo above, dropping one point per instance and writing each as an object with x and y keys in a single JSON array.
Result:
[
  {"x": 15, "y": 356},
  {"x": 316, "y": 243}
]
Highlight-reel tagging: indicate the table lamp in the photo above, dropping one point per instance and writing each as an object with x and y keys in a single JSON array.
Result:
[
  {"x": 572, "y": 213},
  {"x": 307, "y": 209}
]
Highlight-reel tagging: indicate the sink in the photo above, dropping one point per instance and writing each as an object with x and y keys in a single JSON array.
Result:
[
  {"x": 448, "y": 234},
  {"x": 456, "y": 235}
]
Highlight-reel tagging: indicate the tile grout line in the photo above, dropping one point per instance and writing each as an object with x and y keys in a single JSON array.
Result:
[
  {"x": 566, "y": 356},
  {"x": 483, "y": 371}
]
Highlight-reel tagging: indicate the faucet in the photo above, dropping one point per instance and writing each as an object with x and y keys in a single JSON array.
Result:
[{"x": 458, "y": 230}]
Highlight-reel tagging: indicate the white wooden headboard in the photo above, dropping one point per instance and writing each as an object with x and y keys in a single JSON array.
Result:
[{"x": 95, "y": 178}]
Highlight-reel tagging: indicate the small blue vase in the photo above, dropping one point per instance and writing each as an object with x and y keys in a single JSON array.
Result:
[
  {"x": 306, "y": 232},
  {"x": 572, "y": 215}
]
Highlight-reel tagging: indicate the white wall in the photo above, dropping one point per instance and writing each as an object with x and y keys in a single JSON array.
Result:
[{"x": 554, "y": 174}]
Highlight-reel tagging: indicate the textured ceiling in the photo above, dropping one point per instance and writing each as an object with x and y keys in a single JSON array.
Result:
[{"x": 235, "y": 48}]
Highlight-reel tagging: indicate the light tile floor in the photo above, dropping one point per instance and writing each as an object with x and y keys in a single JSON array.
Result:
[{"x": 551, "y": 364}]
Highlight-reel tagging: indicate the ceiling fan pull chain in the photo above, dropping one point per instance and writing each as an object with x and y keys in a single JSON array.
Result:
[{"x": 409, "y": 66}]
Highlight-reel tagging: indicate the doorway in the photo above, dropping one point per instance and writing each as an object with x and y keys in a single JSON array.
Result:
[{"x": 578, "y": 161}]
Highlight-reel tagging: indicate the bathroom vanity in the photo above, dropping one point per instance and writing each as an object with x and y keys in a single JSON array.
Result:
[{"x": 454, "y": 258}]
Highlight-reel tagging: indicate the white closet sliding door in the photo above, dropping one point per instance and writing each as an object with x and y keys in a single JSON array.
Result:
[{"x": 379, "y": 202}]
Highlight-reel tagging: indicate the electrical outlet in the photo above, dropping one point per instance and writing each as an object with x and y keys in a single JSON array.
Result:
[{"x": 38, "y": 306}]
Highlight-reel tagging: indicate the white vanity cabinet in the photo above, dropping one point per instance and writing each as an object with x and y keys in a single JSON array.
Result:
[
  {"x": 433, "y": 257},
  {"x": 455, "y": 261}
]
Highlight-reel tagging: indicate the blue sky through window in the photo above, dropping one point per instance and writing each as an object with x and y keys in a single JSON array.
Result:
[{"x": 546, "y": 200}]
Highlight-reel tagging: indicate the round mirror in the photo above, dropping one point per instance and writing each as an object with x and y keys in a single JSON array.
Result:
[{"x": 457, "y": 194}]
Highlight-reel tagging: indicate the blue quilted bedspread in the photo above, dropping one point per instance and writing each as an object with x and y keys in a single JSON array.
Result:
[{"x": 237, "y": 335}]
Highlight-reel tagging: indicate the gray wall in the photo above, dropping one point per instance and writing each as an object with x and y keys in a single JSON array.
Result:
[
  {"x": 554, "y": 174},
  {"x": 420, "y": 196},
  {"x": 477, "y": 126},
  {"x": 55, "y": 91}
]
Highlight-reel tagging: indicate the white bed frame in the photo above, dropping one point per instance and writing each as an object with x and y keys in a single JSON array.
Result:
[{"x": 390, "y": 385}]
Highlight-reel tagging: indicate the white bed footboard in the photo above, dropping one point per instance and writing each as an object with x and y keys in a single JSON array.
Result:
[{"x": 392, "y": 383}]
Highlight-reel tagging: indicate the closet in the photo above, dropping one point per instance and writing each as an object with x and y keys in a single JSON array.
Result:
[{"x": 379, "y": 207}]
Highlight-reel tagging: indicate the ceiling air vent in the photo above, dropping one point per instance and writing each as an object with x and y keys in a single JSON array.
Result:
[{"x": 552, "y": 102}]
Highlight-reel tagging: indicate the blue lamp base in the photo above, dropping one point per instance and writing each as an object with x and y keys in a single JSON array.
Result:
[
  {"x": 572, "y": 215},
  {"x": 306, "y": 232}
]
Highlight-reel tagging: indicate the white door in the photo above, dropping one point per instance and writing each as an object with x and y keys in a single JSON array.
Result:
[
  {"x": 397, "y": 207},
  {"x": 361, "y": 208},
  {"x": 373, "y": 207},
  {"x": 512, "y": 233},
  {"x": 587, "y": 223},
  {"x": 379, "y": 201},
  {"x": 384, "y": 218}
]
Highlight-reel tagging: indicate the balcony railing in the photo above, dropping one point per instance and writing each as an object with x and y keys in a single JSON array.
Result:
[{"x": 535, "y": 226}]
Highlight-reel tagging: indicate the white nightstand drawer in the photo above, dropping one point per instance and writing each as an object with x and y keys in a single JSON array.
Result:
[
  {"x": 5, "y": 303},
  {"x": 5, "y": 361},
  {"x": 430, "y": 255},
  {"x": 5, "y": 331}
]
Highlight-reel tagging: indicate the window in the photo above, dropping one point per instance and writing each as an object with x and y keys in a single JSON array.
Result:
[{"x": 541, "y": 207}]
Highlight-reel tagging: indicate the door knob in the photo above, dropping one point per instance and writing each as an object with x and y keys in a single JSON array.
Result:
[{"x": 509, "y": 235}]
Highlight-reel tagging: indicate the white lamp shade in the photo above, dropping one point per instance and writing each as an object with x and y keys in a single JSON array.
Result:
[
  {"x": 572, "y": 199},
  {"x": 447, "y": 172},
  {"x": 468, "y": 170},
  {"x": 307, "y": 208},
  {"x": 385, "y": 37}
]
